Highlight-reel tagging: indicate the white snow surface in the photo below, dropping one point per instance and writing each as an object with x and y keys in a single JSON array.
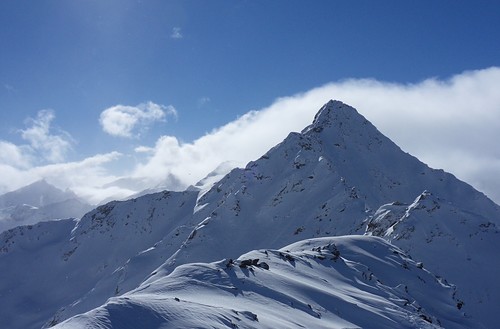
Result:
[
  {"x": 341, "y": 282},
  {"x": 340, "y": 176}
]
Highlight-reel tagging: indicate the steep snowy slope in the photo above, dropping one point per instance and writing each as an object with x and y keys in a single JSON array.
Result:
[
  {"x": 326, "y": 180},
  {"x": 455, "y": 243},
  {"x": 342, "y": 282},
  {"x": 53, "y": 264},
  {"x": 323, "y": 181}
]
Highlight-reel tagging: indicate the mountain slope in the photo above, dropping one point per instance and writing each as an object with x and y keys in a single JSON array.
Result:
[
  {"x": 50, "y": 265},
  {"x": 453, "y": 242},
  {"x": 339, "y": 176},
  {"x": 355, "y": 282},
  {"x": 330, "y": 180},
  {"x": 327, "y": 180}
]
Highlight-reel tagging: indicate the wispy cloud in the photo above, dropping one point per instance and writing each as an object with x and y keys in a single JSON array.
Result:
[
  {"x": 43, "y": 156},
  {"x": 39, "y": 134},
  {"x": 124, "y": 121},
  {"x": 15, "y": 156},
  {"x": 86, "y": 177},
  {"x": 9, "y": 88},
  {"x": 203, "y": 101},
  {"x": 176, "y": 33}
]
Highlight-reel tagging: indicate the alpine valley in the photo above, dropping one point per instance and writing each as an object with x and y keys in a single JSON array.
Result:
[{"x": 335, "y": 227}]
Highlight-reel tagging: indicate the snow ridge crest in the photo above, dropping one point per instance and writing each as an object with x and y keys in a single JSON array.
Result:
[{"x": 333, "y": 112}]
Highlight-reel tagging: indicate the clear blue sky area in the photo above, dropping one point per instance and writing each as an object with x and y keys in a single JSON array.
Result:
[{"x": 215, "y": 60}]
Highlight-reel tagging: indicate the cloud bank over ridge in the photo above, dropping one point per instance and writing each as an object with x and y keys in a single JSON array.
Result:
[{"x": 452, "y": 124}]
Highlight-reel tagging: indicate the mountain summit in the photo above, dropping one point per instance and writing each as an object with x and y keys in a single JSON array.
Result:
[
  {"x": 39, "y": 201},
  {"x": 332, "y": 113},
  {"x": 340, "y": 176},
  {"x": 37, "y": 194}
]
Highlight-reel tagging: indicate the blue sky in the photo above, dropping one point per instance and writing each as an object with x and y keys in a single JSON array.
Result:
[{"x": 103, "y": 85}]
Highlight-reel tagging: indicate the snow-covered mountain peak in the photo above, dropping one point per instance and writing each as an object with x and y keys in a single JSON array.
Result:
[
  {"x": 39, "y": 201},
  {"x": 39, "y": 193},
  {"x": 334, "y": 114}
]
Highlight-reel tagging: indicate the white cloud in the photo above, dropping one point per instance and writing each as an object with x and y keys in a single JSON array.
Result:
[
  {"x": 13, "y": 155},
  {"x": 144, "y": 149},
  {"x": 85, "y": 177},
  {"x": 176, "y": 33},
  {"x": 52, "y": 147},
  {"x": 123, "y": 121},
  {"x": 448, "y": 124}
]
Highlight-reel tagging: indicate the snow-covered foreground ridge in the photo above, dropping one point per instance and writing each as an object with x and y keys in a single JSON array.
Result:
[
  {"x": 341, "y": 282},
  {"x": 339, "y": 176}
]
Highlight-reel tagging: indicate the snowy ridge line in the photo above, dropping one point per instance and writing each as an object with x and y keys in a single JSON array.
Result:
[{"x": 322, "y": 283}]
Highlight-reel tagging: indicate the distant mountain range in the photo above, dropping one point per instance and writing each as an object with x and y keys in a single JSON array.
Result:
[
  {"x": 335, "y": 227},
  {"x": 37, "y": 202}
]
